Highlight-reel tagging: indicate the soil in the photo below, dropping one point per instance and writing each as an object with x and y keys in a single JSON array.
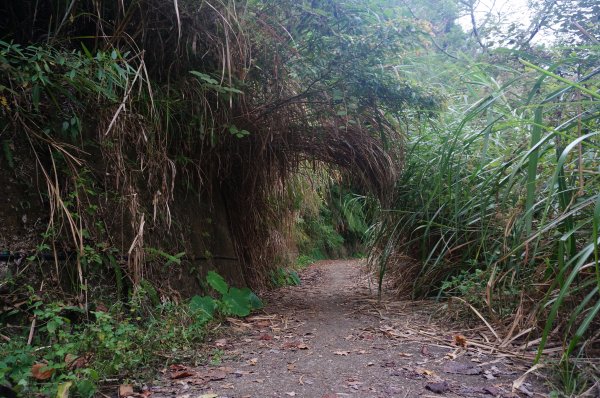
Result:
[{"x": 332, "y": 337}]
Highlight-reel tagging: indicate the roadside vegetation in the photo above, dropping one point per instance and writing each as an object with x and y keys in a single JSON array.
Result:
[{"x": 462, "y": 162}]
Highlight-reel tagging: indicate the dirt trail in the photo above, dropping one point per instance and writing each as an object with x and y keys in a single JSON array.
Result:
[{"x": 330, "y": 338}]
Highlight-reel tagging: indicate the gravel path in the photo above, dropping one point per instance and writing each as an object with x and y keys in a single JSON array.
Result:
[{"x": 330, "y": 337}]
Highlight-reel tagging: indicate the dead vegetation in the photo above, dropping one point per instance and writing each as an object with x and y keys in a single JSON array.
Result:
[{"x": 222, "y": 99}]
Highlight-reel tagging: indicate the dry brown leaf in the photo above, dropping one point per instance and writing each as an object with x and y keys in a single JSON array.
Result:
[
  {"x": 253, "y": 361},
  {"x": 221, "y": 343},
  {"x": 177, "y": 367},
  {"x": 460, "y": 340},
  {"x": 40, "y": 371},
  {"x": 226, "y": 369},
  {"x": 74, "y": 362},
  {"x": 181, "y": 375},
  {"x": 179, "y": 371},
  {"x": 291, "y": 366},
  {"x": 425, "y": 372},
  {"x": 516, "y": 385},
  {"x": 125, "y": 390}
]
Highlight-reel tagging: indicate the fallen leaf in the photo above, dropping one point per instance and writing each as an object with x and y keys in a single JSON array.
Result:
[
  {"x": 302, "y": 346},
  {"x": 253, "y": 361},
  {"x": 181, "y": 375},
  {"x": 262, "y": 324},
  {"x": 215, "y": 375},
  {"x": 355, "y": 385},
  {"x": 462, "y": 368},
  {"x": 63, "y": 390},
  {"x": 221, "y": 343},
  {"x": 524, "y": 390},
  {"x": 342, "y": 353},
  {"x": 495, "y": 391},
  {"x": 125, "y": 390},
  {"x": 291, "y": 366},
  {"x": 74, "y": 362},
  {"x": 518, "y": 382},
  {"x": 439, "y": 387},
  {"x": 460, "y": 340},
  {"x": 489, "y": 375},
  {"x": 40, "y": 371},
  {"x": 225, "y": 369},
  {"x": 425, "y": 372}
]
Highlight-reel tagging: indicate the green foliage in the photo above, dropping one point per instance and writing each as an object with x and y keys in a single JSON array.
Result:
[
  {"x": 203, "y": 308},
  {"x": 217, "y": 282},
  {"x": 233, "y": 301},
  {"x": 122, "y": 343},
  {"x": 504, "y": 183},
  {"x": 171, "y": 258},
  {"x": 304, "y": 260},
  {"x": 331, "y": 219},
  {"x": 284, "y": 277}
]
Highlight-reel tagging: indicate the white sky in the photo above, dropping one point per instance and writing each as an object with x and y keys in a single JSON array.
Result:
[{"x": 506, "y": 10}]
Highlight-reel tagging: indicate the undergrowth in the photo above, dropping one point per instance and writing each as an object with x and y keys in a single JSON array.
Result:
[
  {"x": 67, "y": 348},
  {"x": 498, "y": 202}
]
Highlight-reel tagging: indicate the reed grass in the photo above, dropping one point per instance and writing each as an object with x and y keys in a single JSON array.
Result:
[{"x": 501, "y": 193}]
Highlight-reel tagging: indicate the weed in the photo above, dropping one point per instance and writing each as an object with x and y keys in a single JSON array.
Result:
[
  {"x": 284, "y": 277},
  {"x": 121, "y": 342}
]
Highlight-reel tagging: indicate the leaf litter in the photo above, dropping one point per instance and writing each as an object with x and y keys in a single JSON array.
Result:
[{"x": 332, "y": 337}]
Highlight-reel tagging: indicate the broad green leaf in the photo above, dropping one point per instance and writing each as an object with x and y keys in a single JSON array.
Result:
[
  {"x": 217, "y": 282},
  {"x": 204, "y": 77},
  {"x": 236, "y": 302},
  {"x": 203, "y": 307},
  {"x": 254, "y": 301}
]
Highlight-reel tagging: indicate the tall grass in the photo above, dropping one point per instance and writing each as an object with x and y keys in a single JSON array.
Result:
[{"x": 500, "y": 199}]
